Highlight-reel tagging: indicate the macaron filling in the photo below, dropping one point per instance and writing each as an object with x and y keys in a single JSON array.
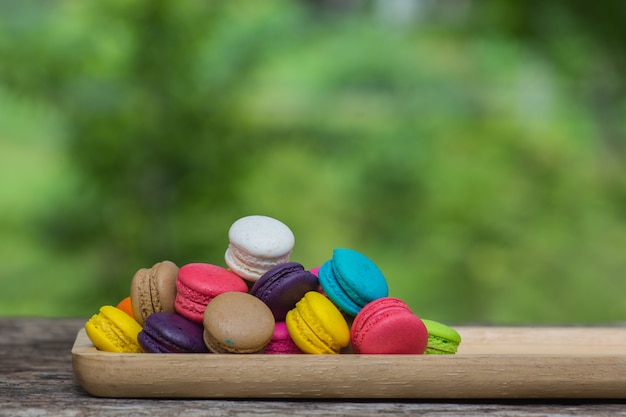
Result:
[
  {"x": 155, "y": 299},
  {"x": 304, "y": 336},
  {"x": 350, "y": 291},
  {"x": 171, "y": 333},
  {"x": 283, "y": 286},
  {"x": 317, "y": 326},
  {"x": 195, "y": 297},
  {"x": 351, "y": 280},
  {"x": 145, "y": 289},
  {"x": 106, "y": 334},
  {"x": 335, "y": 291},
  {"x": 153, "y": 290},
  {"x": 251, "y": 266},
  {"x": 111, "y": 332},
  {"x": 153, "y": 342},
  {"x": 440, "y": 346},
  {"x": 442, "y": 339}
]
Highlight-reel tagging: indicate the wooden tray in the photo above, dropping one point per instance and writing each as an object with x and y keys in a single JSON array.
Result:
[{"x": 492, "y": 362}]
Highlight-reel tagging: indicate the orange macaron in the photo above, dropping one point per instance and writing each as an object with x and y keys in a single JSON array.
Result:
[{"x": 126, "y": 306}]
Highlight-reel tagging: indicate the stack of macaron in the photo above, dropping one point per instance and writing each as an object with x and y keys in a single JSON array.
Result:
[{"x": 263, "y": 302}]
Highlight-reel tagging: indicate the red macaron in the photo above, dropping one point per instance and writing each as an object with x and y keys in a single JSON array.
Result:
[
  {"x": 388, "y": 326},
  {"x": 198, "y": 283}
]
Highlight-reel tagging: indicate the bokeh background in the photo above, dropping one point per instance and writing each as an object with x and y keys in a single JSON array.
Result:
[{"x": 475, "y": 150}]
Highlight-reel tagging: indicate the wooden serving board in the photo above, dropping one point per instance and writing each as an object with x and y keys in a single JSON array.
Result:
[{"x": 492, "y": 362}]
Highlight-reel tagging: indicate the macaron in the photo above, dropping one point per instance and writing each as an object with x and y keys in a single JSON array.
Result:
[
  {"x": 126, "y": 306},
  {"x": 112, "y": 330},
  {"x": 153, "y": 290},
  {"x": 351, "y": 280},
  {"x": 236, "y": 322},
  {"x": 442, "y": 339},
  {"x": 317, "y": 326},
  {"x": 283, "y": 286},
  {"x": 281, "y": 343},
  {"x": 199, "y": 283},
  {"x": 388, "y": 326},
  {"x": 165, "y": 332},
  {"x": 256, "y": 245}
]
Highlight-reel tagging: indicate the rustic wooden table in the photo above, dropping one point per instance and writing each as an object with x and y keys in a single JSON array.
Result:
[{"x": 37, "y": 379}]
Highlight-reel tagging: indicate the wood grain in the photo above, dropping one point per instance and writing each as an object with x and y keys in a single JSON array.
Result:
[
  {"x": 37, "y": 379},
  {"x": 493, "y": 362}
]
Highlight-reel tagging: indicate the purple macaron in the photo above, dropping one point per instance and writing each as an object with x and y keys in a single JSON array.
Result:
[
  {"x": 283, "y": 286},
  {"x": 171, "y": 333}
]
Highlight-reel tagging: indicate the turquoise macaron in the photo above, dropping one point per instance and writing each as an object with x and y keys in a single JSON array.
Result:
[{"x": 351, "y": 280}]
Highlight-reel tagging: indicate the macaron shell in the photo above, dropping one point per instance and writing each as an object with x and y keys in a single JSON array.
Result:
[
  {"x": 283, "y": 286},
  {"x": 165, "y": 332},
  {"x": 188, "y": 308},
  {"x": 262, "y": 236},
  {"x": 165, "y": 275},
  {"x": 237, "y": 322},
  {"x": 360, "y": 278},
  {"x": 150, "y": 345},
  {"x": 199, "y": 283},
  {"x": 304, "y": 337},
  {"x": 112, "y": 330},
  {"x": 440, "y": 346},
  {"x": 126, "y": 306},
  {"x": 247, "y": 266},
  {"x": 153, "y": 290},
  {"x": 334, "y": 291},
  {"x": 442, "y": 339},
  {"x": 388, "y": 326},
  {"x": 281, "y": 342},
  {"x": 256, "y": 244},
  {"x": 317, "y": 326},
  {"x": 140, "y": 294}
]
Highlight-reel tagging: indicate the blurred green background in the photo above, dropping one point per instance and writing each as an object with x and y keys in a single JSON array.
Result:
[{"x": 474, "y": 150}]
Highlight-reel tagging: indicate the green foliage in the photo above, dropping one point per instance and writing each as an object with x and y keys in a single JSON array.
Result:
[{"x": 466, "y": 163}]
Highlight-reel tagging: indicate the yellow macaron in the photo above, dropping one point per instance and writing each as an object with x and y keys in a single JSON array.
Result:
[
  {"x": 317, "y": 326},
  {"x": 112, "y": 330}
]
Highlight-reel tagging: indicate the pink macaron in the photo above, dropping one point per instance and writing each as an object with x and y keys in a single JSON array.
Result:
[
  {"x": 281, "y": 343},
  {"x": 388, "y": 326},
  {"x": 199, "y": 283}
]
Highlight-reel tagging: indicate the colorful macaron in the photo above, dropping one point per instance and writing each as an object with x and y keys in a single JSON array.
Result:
[
  {"x": 125, "y": 305},
  {"x": 256, "y": 245},
  {"x": 281, "y": 343},
  {"x": 236, "y": 322},
  {"x": 388, "y": 326},
  {"x": 171, "y": 333},
  {"x": 351, "y": 280},
  {"x": 112, "y": 330},
  {"x": 199, "y": 283},
  {"x": 153, "y": 290},
  {"x": 442, "y": 339},
  {"x": 317, "y": 326},
  {"x": 283, "y": 286}
]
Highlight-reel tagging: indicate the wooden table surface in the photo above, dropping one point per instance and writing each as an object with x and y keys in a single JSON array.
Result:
[{"x": 37, "y": 379}]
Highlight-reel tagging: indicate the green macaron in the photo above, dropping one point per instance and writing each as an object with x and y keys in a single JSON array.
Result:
[{"x": 442, "y": 339}]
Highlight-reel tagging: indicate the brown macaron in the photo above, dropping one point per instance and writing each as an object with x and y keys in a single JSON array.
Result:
[
  {"x": 236, "y": 322},
  {"x": 153, "y": 290}
]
